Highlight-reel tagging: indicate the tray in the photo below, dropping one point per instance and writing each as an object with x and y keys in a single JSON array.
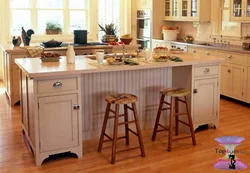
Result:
[{"x": 50, "y": 59}]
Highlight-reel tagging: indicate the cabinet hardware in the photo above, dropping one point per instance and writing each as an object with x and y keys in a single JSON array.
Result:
[
  {"x": 57, "y": 84},
  {"x": 207, "y": 53},
  {"x": 242, "y": 93},
  {"x": 38, "y": 105},
  {"x": 207, "y": 70},
  {"x": 230, "y": 57},
  {"x": 195, "y": 91},
  {"x": 76, "y": 107},
  {"x": 243, "y": 70},
  {"x": 229, "y": 71},
  {"x": 194, "y": 51}
]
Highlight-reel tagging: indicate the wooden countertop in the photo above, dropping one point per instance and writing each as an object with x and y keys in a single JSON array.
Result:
[{"x": 33, "y": 67}]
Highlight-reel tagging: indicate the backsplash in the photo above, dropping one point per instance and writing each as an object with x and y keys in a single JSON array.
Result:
[{"x": 202, "y": 31}]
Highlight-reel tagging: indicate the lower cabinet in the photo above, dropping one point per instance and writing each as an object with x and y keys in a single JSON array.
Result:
[
  {"x": 205, "y": 89},
  {"x": 58, "y": 122},
  {"x": 248, "y": 84},
  {"x": 232, "y": 80},
  {"x": 51, "y": 115}
]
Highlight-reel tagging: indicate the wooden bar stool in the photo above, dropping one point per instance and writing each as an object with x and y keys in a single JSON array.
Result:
[
  {"x": 173, "y": 106},
  {"x": 119, "y": 99}
]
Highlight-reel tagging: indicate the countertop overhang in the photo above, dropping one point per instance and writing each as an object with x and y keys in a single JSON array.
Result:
[{"x": 34, "y": 68}]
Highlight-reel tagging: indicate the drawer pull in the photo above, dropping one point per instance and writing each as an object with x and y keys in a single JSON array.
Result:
[
  {"x": 194, "y": 51},
  {"x": 230, "y": 57},
  {"x": 195, "y": 91},
  {"x": 76, "y": 107},
  {"x": 207, "y": 70},
  {"x": 208, "y": 53},
  {"x": 229, "y": 71},
  {"x": 57, "y": 84}
]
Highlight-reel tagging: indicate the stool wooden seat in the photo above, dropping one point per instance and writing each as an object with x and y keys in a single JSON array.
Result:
[
  {"x": 117, "y": 100},
  {"x": 173, "y": 106}
]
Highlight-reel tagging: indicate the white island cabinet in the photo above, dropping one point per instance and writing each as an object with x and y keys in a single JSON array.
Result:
[{"x": 65, "y": 103}]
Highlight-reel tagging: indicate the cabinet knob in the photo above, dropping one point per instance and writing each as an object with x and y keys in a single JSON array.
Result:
[
  {"x": 76, "y": 107},
  {"x": 57, "y": 84},
  {"x": 207, "y": 70},
  {"x": 195, "y": 91},
  {"x": 229, "y": 71},
  {"x": 207, "y": 53},
  {"x": 194, "y": 51},
  {"x": 230, "y": 57}
]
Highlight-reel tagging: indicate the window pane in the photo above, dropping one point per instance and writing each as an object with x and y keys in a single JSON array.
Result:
[
  {"x": 49, "y": 4},
  {"x": 77, "y": 4},
  {"x": 77, "y": 20},
  {"x": 45, "y": 16},
  {"x": 20, "y": 18},
  {"x": 20, "y": 4}
]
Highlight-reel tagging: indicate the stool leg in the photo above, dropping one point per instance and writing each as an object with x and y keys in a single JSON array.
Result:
[
  {"x": 104, "y": 127},
  {"x": 171, "y": 116},
  {"x": 115, "y": 133},
  {"x": 158, "y": 117},
  {"x": 138, "y": 129},
  {"x": 190, "y": 122},
  {"x": 176, "y": 117},
  {"x": 126, "y": 125}
]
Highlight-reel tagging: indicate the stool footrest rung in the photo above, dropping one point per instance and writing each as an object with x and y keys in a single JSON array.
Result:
[
  {"x": 110, "y": 117},
  {"x": 184, "y": 123},
  {"x": 180, "y": 114},
  {"x": 133, "y": 132},
  {"x": 129, "y": 122},
  {"x": 111, "y": 110},
  {"x": 130, "y": 108},
  {"x": 181, "y": 100},
  {"x": 162, "y": 126},
  {"x": 179, "y": 138},
  {"x": 162, "y": 130},
  {"x": 164, "y": 109},
  {"x": 167, "y": 103},
  {"x": 110, "y": 139},
  {"x": 128, "y": 149}
]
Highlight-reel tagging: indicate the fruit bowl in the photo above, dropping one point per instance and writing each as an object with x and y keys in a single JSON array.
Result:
[
  {"x": 161, "y": 58},
  {"x": 126, "y": 40},
  {"x": 113, "y": 61},
  {"x": 160, "y": 50}
]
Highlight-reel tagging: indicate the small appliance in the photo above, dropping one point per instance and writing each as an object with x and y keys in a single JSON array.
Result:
[{"x": 80, "y": 36}]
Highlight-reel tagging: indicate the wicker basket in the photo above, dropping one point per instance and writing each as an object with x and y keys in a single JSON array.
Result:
[
  {"x": 52, "y": 32},
  {"x": 50, "y": 59}
]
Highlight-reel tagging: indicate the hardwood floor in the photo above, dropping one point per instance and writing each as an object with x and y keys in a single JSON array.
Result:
[{"x": 16, "y": 157}]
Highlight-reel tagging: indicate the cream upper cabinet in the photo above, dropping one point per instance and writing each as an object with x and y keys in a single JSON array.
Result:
[
  {"x": 240, "y": 10},
  {"x": 172, "y": 9},
  {"x": 188, "y": 10},
  {"x": 144, "y": 4}
]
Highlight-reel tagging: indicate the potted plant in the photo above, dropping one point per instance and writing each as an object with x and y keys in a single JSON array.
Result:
[
  {"x": 53, "y": 28},
  {"x": 110, "y": 33}
]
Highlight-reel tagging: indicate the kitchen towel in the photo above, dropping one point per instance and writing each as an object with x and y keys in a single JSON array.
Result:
[{"x": 34, "y": 51}]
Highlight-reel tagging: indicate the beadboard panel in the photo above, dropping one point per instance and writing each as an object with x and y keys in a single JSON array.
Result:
[{"x": 145, "y": 84}]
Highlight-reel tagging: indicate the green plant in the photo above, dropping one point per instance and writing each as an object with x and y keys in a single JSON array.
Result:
[
  {"x": 54, "y": 26},
  {"x": 109, "y": 29}
]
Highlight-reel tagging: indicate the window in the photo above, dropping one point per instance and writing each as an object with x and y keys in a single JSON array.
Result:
[{"x": 70, "y": 14}]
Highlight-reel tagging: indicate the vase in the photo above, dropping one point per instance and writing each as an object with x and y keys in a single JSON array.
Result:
[
  {"x": 70, "y": 55},
  {"x": 109, "y": 38}
]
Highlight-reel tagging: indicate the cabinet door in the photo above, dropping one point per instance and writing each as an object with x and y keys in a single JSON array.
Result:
[
  {"x": 246, "y": 11},
  {"x": 248, "y": 84},
  {"x": 58, "y": 122},
  {"x": 15, "y": 82},
  {"x": 205, "y": 100},
  {"x": 185, "y": 6},
  {"x": 237, "y": 81},
  {"x": 237, "y": 10},
  {"x": 172, "y": 9},
  {"x": 225, "y": 79}
]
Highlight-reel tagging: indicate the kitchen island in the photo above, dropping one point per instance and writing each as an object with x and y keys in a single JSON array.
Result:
[{"x": 64, "y": 103}]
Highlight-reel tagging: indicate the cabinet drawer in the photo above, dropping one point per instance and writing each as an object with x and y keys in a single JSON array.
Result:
[
  {"x": 206, "y": 71},
  {"x": 57, "y": 85},
  {"x": 232, "y": 57},
  {"x": 207, "y": 52}
]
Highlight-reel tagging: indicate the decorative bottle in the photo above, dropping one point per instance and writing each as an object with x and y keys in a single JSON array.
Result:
[{"x": 70, "y": 55}]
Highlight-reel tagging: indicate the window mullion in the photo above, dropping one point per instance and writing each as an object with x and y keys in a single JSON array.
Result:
[
  {"x": 34, "y": 15},
  {"x": 66, "y": 17}
]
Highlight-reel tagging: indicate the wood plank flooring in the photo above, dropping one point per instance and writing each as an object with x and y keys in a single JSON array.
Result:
[{"x": 16, "y": 157}]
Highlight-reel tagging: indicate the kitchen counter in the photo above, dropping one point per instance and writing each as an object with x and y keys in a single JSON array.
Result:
[
  {"x": 35, "y": 68},
  {"x": 69, "y": 99},
  {"x": 231, "y": 48}
]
